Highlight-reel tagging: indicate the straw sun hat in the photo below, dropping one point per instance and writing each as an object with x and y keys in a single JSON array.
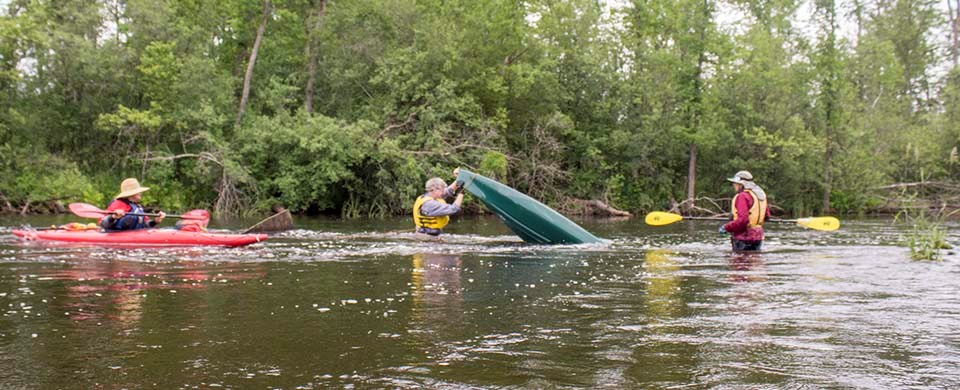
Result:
[{"x": 130, "y": 187}]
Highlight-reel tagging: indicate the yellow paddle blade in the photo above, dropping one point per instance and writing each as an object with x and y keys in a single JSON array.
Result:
[
  {"x": 660, "y": 218},
  {"x": 820, "y": 223}
]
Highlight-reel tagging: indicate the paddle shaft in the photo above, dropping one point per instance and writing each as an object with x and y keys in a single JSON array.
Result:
[
  {"x": 157, "y": 215},
  {"x": 728, "y": 219},
  {"x": 54, "y": 227},
  {"x": 659, "y": 218},
  {"x": 85, "y": 210}
]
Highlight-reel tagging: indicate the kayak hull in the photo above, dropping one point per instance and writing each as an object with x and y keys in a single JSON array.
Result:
[
  {"x": 533, "y": 221},
  {"x": 141, "y": 237}
]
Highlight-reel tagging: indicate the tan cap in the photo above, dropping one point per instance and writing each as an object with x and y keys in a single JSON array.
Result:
[{"x": 741, "y": 177}]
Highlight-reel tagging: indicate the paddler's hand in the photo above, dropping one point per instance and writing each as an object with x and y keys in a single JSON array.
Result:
[
  {"x": 723, "y": 229},
  {"x": 456, "y": 171},
  {"x": 118, "y": 213},
  {"x": 161, "y": 216},
  {"x": 457, "y": 188}
]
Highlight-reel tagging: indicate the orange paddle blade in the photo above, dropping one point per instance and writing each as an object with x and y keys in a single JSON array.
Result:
[{"x": 86, "y": 210}]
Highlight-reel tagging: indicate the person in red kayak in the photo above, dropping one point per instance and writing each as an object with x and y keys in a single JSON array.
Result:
[
  {"x": 749, "y": 209},
  {"x": 128, "y": 202},
  {"x": 431, "y": 213}
]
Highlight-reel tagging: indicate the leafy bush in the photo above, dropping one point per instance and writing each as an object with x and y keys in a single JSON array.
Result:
[
  {"x": 43, "y": 180},
  {"x": 494, "y": 165},
  {"x": 304, "y": 162}
]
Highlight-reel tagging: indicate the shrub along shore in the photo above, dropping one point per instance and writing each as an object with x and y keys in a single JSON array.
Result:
[{"x": 347, "y": 107}]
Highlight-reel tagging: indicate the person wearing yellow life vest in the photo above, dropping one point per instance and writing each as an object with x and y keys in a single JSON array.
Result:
[
  {"x": 749, "y": 209},
  {"x": 431, "y": 212}
]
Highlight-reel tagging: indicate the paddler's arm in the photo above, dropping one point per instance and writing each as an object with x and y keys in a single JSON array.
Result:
[
  {"x": 154, "y": 223},
  {"x": 432, "y": 208},
  {"x": 117, "y": 210},
  {"x": 450, "y": 192},
  {"x": 459, "y": 201},
  {"x": 742, "y": 203},
  {"x": 453, "y": 187},
  {"x": 107, "y": 221}
]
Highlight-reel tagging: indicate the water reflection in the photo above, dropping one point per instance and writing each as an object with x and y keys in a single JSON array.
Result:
[
  {"x": 748, "y": 296},
  {"x": 93, "y": 290},
  {"x": 663, "y": 285},
  {"x": 436, "y": 287},
  {"x": 437, "y": 314},
  {"x": 747, "y": 267},
  {"x": 328, "y": 308}
]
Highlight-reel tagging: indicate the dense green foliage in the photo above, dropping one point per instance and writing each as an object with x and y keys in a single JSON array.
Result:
[{"x": 560, "y": 99}]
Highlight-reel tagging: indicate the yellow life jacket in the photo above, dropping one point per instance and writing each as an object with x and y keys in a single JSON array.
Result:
[
  {"x": 757, "y": 213},
  {"x": 425, "y": 221}
]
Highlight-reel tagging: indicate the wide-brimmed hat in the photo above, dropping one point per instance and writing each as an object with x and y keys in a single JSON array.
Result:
[
  {"x": 741, "y": 177},
  {"x": 130, "y": 187}
]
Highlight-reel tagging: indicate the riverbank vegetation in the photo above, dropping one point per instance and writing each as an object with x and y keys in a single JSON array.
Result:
[
  {"x": 347, "y": 107},
  {"x": 927, "y": 238},
  {"x": 929, "y": 234}
]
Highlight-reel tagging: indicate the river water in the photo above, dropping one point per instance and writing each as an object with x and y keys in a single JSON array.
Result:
[{"x": 355, "y": 305}]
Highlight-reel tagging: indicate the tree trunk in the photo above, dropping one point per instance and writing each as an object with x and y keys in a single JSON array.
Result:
[
  {"x": 692, "y": 176},
  {"x": 253, "y": 60},
  {"x": 598, "y": 206},
  {"x": 858, "y": 15},
  {"x": 954, "y": 13},
  {"x": 831, "y": 99},
  {"x": 313, "y": 49},
  {"x": 6, "y": 203},
  {"x": 828, "y": 154},
  {"x": 116, "y": 20},
  {"x": 695, "y": 108}
]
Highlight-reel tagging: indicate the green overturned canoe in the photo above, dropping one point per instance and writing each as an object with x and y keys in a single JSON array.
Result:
[{"x": 533, "y": 221}]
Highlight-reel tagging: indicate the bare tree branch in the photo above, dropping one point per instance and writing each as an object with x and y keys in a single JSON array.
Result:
[
  {"x": 934, "y": 184},
  {"x": 411, "y": 119},
  {"x": 312, "y": 53},
  {"x": 200, "y": 156}
]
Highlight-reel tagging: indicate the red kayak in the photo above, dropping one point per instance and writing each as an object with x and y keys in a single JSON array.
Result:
[{"x": 142, "y": 237}]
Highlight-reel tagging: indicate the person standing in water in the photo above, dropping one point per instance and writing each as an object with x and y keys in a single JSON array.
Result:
[{"x": 749, "y": 209}]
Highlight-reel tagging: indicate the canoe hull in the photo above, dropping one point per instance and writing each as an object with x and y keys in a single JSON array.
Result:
[
  {"x": 533, "y": 221},
  {"x": 142, "y": 237}
]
